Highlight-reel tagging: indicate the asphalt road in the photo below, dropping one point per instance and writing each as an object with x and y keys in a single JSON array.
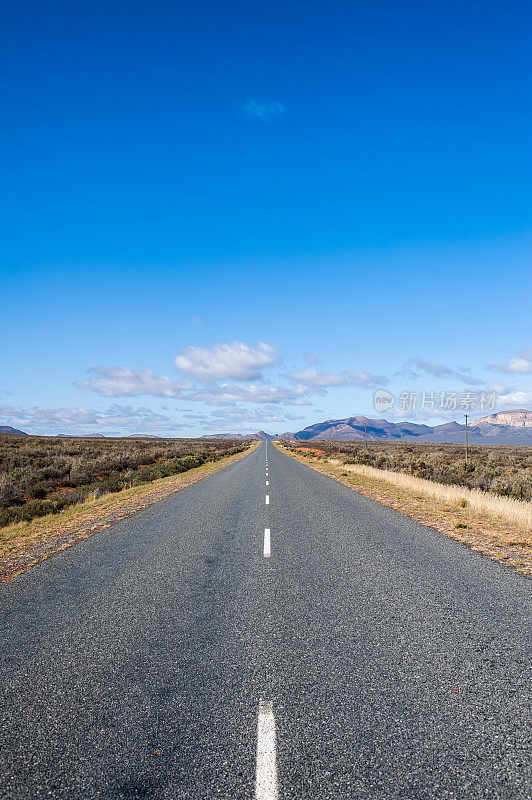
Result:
[{"x": 180, "y": 654}]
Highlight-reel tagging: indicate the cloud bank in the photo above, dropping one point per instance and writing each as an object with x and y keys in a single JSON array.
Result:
[
  {"x": 348, "y": 377},
  {"x": 414, "y": 366},
  {"x": 132, "y": 418},
  {"x": 519, "y": 365},
  {"x": 127, "y": 382}
]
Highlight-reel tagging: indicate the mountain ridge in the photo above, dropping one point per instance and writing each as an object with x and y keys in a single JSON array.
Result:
[
  {"x": 502, "y": 427},
  {"x": 506, "y": 427}
]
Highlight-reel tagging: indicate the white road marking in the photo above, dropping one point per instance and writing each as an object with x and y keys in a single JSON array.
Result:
[
  {"x": 266, "y": 775},
  {"x": 267, "y": 483},
  {"x": 267, "y": 543},
  {"x": 267, "y": 499}
]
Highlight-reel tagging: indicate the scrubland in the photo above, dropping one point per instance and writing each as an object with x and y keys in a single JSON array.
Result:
[
  {"x": 504, "y": 470},
  {"x": 43, "y": 475}
]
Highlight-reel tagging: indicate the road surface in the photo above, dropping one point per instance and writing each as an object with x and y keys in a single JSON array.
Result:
[{"x": 266, "y": 633}]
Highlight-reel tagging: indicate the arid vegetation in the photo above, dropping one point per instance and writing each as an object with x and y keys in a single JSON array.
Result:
[
  {"x": 504, "y": 470},
  {"x": 43, "y": 475}
]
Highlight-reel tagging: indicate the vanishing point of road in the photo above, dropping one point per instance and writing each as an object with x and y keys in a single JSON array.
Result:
[{"x": 266, "y": 633}]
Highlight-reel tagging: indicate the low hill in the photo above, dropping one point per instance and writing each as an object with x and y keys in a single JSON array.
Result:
[{"x": 13, "y": 431}]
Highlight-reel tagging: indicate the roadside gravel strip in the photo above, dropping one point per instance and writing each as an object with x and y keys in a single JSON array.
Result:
[
  {"x": 215, "y": 646},
  {"x": 43, "y": 538}
]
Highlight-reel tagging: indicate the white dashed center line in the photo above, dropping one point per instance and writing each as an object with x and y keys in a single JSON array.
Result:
[
  {"x": 266, "y": 775},
  {"x": 267, "y": 483},
  {"x": 267, "y": 543},
  {"x": 267, "y": 499}
]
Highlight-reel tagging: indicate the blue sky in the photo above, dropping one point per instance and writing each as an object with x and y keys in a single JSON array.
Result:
[{"x": 220, "y": 216}]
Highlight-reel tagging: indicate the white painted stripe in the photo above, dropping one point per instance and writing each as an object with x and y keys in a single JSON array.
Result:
[
  {"x": 267, "y": 543},
  {"x": 267, "y": 499},
  {"x": 266, "y": 775},
  {"x": 267, "y": 483}
]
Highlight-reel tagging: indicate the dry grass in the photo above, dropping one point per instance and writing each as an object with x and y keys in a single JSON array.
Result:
[{"x": 518, "y": 512}]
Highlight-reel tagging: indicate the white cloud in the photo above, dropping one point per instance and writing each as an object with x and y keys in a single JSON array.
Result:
[
  {"x": 312, "y": 377},
  {"x": 310, "y": 359},
  {"x": 127, "y": 382},
  {"x": 509, "y": 397},
  {"x": 228, "y": 394},
  {"x": 411, "y": 368},
  {"x": 520, "y": 364},
  {"x": 348, "y": 377},
  {"x": 233, "y": 361},
  {"x": 265, "y": 112},
  {"x": 76, "y": 420},
  {"x": 364, "y": 379},
  {"x": 241, "y": 420}
]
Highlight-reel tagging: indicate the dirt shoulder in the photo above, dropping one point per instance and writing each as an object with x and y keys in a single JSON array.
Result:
[
  {"x": 26, "y": 544},
  {"x": 497, "y": 539}
]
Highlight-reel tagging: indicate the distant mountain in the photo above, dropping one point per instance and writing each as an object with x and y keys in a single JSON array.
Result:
[
  {"x": 511, "y": 427},
  {"x": 520, "y": 418},
  {"x": 13, "y": 431},
  {"x": 353, "y": 428},
  {"x": 262, "y": 435},
  {"x": 503, "y": 427}
]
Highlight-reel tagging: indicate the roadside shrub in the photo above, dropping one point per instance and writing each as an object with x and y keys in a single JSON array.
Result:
[
  {"x": 7, "y": 516},
  {"x": 10, "y": 491},
  {"x": 38, "y": 491}
]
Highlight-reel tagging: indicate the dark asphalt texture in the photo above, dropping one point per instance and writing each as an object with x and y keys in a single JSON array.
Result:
[{"x": 397, "y": 660}]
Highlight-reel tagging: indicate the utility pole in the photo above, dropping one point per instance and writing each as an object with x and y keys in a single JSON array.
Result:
[
  {"x": 365, "y": 438},
  {"x": 465, "y": 415}
]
